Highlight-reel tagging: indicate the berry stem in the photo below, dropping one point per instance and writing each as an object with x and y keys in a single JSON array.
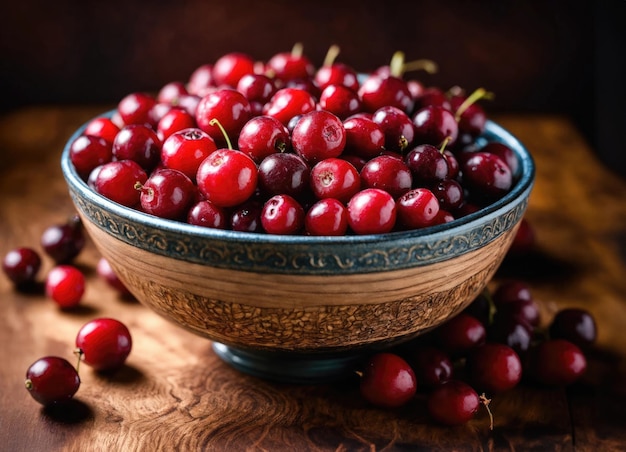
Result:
[
  {"x": 485, "y": 401},
  {"x": 79, "y": 353},
  {"x": 444, "y": 143},
  {"x": 480, "y": 93},
  {"x": 422, "y": 64},
  {"x": 331, "y": 55},
  {"x": 297, "y": 49},
  {"x": 396, "y": 65},
  {"x": 215, "y": 122}
]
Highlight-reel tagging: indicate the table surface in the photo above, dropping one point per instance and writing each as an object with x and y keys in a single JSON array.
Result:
[{"x": 176, "y": 394}]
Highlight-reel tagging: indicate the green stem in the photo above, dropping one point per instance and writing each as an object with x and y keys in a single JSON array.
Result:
[
  {"x": 215, "y": 122},
  {"x": 480, "y": 93}
]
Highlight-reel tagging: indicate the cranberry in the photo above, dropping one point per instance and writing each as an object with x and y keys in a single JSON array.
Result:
[
  {"x": 167, "y": 193},
  {"x": 337, "y": 74},
  {"x": 229, "y": 107},
  {"x": 327, "y": 217},
  {"x": 262, "y": 136},
  {"x": 227, "y": 177},
  {"x": 292, "y": 65},
  {"x": 432, "y": 96},
  {"x": 417, "y": 208},
  {"x": 104, "y": 343},
  {"x": 526, "y": 310},
  {"x": 256, "y": 87},
  {"x": 288, "y": 103},
  {"x": 371, "y": 211},
  {"x": 230, "y": 68},
  {"x": 431, "y": 365},
  {"x": 512, "y": 290},
  {"x": 453, "y": 164},
  {"x": 283, "y": 174},
  {"x": 453, "y": 403},
  {"x": 434, "y": 125},
  {"x": 397, "y": 127},
  {"x": 170, "y": 92},
  {"x": 557, "y": 362},
  {"x": 339, "y": 100},
  {"x": 282, "y": 214},
  {"x": 116, "y": 181},
  {"x": 377, "y": 92},
  {"x": 174, "y": 120},
  {"x": 136, "y": 108},
  {"x": 52, "y": 380},
  {"x": 449, "y": 193},
  {"x": 335, "y": 178},
  {"x": 65, "y": 284},
  {"x": 575, "y": 325},
  {"x": 247, "y": 217},
  {"x": 106, "y": 272},
  {"x": 510, "y": 330},
  {"x": 63, "y": 242},
  {"x": 189, "y": 103},
  {"x": 21, "y": 265},
  {"x": 103, "y": 128},
  {"x": 364, "y": 137},
  {"x": 186, "y": 149},
  {"x": 387, "y": 381},
  {"x": 387, "y": 173},
  {"x": 305, "y": 84},
  {"x": 493, "y": 367},
  {"x": 428, "y": 166},
  {"x": 487, "y": 175},
  {"x": 205, "y": 213},
  {"x": 138, "y": 143},
  {"x": 318, "y": 135},
  {"x": 201, "y": 80},
  {"x": 504, "y": 152},
  {"x": 460, "y": 334},
  {"x": 87, "y": 152}
]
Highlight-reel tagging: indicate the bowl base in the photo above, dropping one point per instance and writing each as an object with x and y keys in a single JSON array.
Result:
[{"x": 286, "y": 367}]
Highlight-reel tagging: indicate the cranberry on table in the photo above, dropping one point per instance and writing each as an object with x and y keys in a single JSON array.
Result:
[
  {"x": 283, "y": 173},
  {"x": 65, "y": 284},
  {"x": 224, "y": 111},
  {"x": 63, "y": 242},
  {"x": 287, "y": 103},
  {"x": 51, "y": 379},
  {"x": 318, "y": 135},
  {"x": 575, "y": 325},
  {"x": 512, "y": 290},
  {"x": 326, "y": 217},
  {"x": 282, "y": 214},
  {"x": 387, "y": 173},
  {"x": 88, "y": 152},
  {"x": 104, "y": 343},
  {"x": 186, "y": 149},
  {"x": 263, "y": 136},
  {"x": 21, "y": 265},
  {"x": 460, "y": 334},
  {"x": 387, "y": 381},
  {"x": 138, "y": 143},
  {"x": 432, "y": 366},
  {"x": 334, "y": 178},
  {"x": 116, "y": 181},
  {"x": 557, "y": 362},
  {"x": 167, "y": 193},
  {"x": 230, "y": 68},
  {"x": 417, "y": 208},
  {"x": 371, "y": 211},
  {"x": 493, "y": 368},
  {"x": 512, "y": 331},
  {"x": 364, "y": 137},
  {"x": 106, "y": 272},
  {"x": 453, "y": 403}
]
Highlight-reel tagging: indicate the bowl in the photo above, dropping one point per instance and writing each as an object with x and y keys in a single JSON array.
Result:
[{"x": 303, "y": 308}]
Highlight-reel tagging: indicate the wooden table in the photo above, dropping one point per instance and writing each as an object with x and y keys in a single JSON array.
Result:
[{"x": 175, "y": 394}]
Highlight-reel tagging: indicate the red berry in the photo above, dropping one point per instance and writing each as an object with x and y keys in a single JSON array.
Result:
[
  {"x": 287, "y": 103},
  {"x": 21, "y": 265},
  {"x": 256, "y": 87},
  {"x": 387, "y": 381},
  {"x": 493, "y": 368},
  {"x": 335, "y": 178},
  {"x": 371, "y": 211},
  {"x": 283, "y": 173},
  {"x": 453, "y": 403},
  {"x": 230, "y": 68},
  {"x": 575, "y": 325},
  {"x": 434, "y": 125},
  {"x": 106, "y": 272},
  {"x": 262, "y": 136},
  {"x": 167, "y": 193},
  {"x": 431, "y": 365},
  {"x": 63, "y": 242},
  {"x": 52, "y": 380},
  {"x": 170, "y": 92},
  {"x": 103, "y": 128},
  {"x": 117, "y": 180},
  {"x": 326, "y": 217},
  {"x": 88, "y": 152},
  {"x": 486, "y": 175},
  {"x": 381, "y": 91},
  {"x": 174, "y": 120},
  {"x": 65, "y": 284},
  {"x": 201, "y": 80},
  {"x": 460, "y": 334},
  {"x": 397, "y": 127},
  {"x": 364, "y": 137},
  {"x": 417, "y": 208},
  {"x": 340, "y": 101},
  {"x": 186, "y": 149},
  {"x": 292, "y": 65},
  {"x": 557, "y": 362},
  {"x": 104, "y": 343},
  {"x": 135, "y": 108},
  {"x": 229, "y": 107},
  {"x": 282, "y": 214},
  {"x": 387, "y": 173},
  {"x": 205, "y": 213},
  {"x": 318, "y": 135},
  {"x": 138, "y": 143}
]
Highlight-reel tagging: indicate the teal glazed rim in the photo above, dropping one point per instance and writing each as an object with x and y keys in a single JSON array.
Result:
[{"x": 258, "y": 252}]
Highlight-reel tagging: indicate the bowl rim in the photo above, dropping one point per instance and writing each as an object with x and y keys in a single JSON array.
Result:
[{"x": 523, "y": 182}]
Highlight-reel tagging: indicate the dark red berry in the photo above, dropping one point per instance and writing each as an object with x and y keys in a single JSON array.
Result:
[
  {"x": 575, "y": 325},
  {"x": 167, "y": 193},
  {"x": 88, "y": 152},
  {"x": 435, "y": 125},
  {"x": 104, "y": 343},
  {"x": 486, "y": 175},
  {"x": 460, "y": 334},
  {"x": 117, "y": 180},
  {"x": 364, "y": 137},
  {"x": 387, "y": 381},
  {"x": 431, "y": 365},
  {"x": 106, "y": 272},
  {"x": 282, "y": 214},
  {"x": 326, "y": 217},
  {"x": 557, "y": 362},
  {"x": 493, "y": 368},
  {"x": 21, "y": 265},
  {"x": 387, "y": 173},
  {"x": 339, "y": 100},
  {"x": 205, "y": 213},
  {"x": 453, "y": 403},
  {"x": 52, "y": 380},
  {"x": 318, "y": 135},
  {"x": 138, "y": 143},
  {"x": 286, "y": 174},
  {"x": 63, "y": 242}
]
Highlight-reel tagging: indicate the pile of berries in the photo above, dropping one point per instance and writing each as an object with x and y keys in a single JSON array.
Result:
[
  {"x": 492, "y": 346},
  {"x": 283, "y": 148}
]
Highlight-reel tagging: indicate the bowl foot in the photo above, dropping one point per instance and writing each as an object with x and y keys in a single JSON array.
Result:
[{"x": 287, "y": 367}]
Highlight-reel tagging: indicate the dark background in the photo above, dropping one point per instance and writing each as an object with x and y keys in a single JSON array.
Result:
[{"x": 537, "y": 56}]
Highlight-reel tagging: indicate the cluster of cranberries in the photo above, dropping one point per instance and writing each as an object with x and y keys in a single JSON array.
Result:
[
  {"x": 489, "y": 348},
  {"x": 283, "y": 148},
  {"x": 102, "y": 343}
]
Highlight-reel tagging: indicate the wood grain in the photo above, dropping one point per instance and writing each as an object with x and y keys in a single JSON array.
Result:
[{"x": 175, "y": 394}]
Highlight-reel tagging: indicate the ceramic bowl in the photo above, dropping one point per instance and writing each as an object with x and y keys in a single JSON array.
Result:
[{"x": 303, "y": 298}]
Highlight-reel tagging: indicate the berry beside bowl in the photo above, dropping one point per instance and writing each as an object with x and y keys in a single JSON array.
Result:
[{"x": 298, "y": 307}]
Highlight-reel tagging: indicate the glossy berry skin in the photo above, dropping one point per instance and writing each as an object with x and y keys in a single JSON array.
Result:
[
  {"x": 116, "y": 181},
  {"x": 431, "y": 365},
  {"x": 171, "y": 91},
  {"x": 282, "y": 214},
  {"x": 246, "y": 217},
  {"x": 201, "y": 80},
  {"x": 52, "y": 379},
  {"x": 431, "y": 96},
  {"x": 318, "y": 135},
  {"x": 340, "y": 101},
  {"x": 174, "y": 120},
  {"x": 136, "y": 108},
  {"x": 364, "y": 138},
  {"x": 334, "y": 178},
  {"x": 387, "y": 173},
  {"x": 286, "y": 174},
  {"x": 472, "y": 120},
  {"x": 186, "y": 149},
  {"x": 428, "y": 166},
  {"x": 205, "y": 213},
  {"x": 387, "y": 381},
  {"x": 288, "y": 66},
  {"x": 493, "y": 368},
  {"x": 138, "y": 143},
  {"x": 337, "y": 74},
  {"x": 230, "y": 68},
  {"x": 65, "y": 284},
  {"x": 167, "y": 193},
  {"x": 575, "y": 325},
  {"x": 104, "y": 344},
  {"x": 449, "y": 193},
  {"x": 435, "y": 124},
  {"x": 453, "y": 403},
  {"x": 526, "y": 310},
  {"x": 229, "y": 107},
  {"x": 257, "y": 87},
  {"x": 371, "y": 211},
  {"x": 106, "y": 272},
  {"x": 21, "y": 265},
  {"x": 513, "y": 331},
  {"x": 380, "y": 91},
  {"x": 397, "y": 127},
  {"x": 262, "y": 136},
  {"x": 487, "y": 175},
  {"x": 507, "y": 154},
  {"x": 288, "y": 103},
  {"x": 63, "y": 242},
  {"x": 103, "y": 128},
  {"x": 227, "y": 177},
  {"x": 460, "y": 334},
  {"x": 327, "y": 217},
  {"x": 88, "y": 152},
  {"x": 417, "y": 208},
  {"x": 557, "y": 362},
  {"x": 512, "y": 290}
]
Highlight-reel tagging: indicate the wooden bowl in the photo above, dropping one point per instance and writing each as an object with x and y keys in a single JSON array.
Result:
[{"x": 305, "y": 298}]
